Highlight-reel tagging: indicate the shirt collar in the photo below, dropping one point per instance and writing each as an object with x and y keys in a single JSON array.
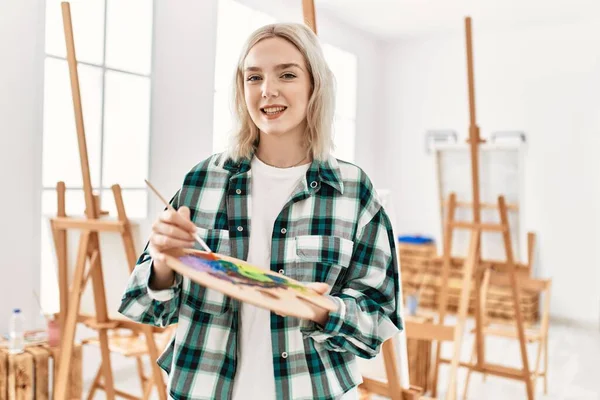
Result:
[{"x": 320, "y": 171}]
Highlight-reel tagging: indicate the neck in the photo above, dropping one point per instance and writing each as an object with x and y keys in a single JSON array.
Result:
[{"x": 282, "y": 152}]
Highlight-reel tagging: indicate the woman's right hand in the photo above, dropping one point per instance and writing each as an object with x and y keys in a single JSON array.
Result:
[{"x": 172, "y": 229}]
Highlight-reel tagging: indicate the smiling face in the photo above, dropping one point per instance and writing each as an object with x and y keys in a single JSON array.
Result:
[{"x": 277, "y": 87}]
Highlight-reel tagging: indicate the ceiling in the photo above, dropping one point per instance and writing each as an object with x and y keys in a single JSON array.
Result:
[{"x": 389, "y": 19}]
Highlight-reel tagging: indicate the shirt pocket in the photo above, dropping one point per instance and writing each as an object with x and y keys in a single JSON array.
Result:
[
  {"x": 201, "y": 298},
  {"x": 322, "y": 258}
]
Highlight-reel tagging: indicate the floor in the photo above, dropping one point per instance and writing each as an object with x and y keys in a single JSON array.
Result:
[{"x": 574, "y": 372}]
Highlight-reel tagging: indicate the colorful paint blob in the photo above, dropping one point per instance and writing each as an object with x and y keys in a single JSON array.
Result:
[{"x": 238, "y": 273}]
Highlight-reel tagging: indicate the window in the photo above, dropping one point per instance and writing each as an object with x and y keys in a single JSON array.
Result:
[
  {"x": 343, "y": 64},
  {"x": 235, "y": 23},
  {"x": 113, "y": 44}
]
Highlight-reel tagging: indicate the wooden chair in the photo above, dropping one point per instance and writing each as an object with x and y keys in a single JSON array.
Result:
[
  {"x": 391, "y": 387},
  {"x": 533, "y": 334},
  {"x": 131, "y": 344}
]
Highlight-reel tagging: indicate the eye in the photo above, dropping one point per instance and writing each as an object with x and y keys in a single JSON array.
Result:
[
  {"x": 252, "y": 78},
  {"x": 288, "y": 75}
]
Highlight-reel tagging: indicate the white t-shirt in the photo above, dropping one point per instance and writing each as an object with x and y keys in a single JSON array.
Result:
[{"x": 271, "y": 188}]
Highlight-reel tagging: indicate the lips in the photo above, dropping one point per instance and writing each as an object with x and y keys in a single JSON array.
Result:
[{"x": 273, "y": 110}]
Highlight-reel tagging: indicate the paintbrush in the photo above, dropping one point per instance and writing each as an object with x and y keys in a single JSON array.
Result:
[{"x": 170, "y": 207}]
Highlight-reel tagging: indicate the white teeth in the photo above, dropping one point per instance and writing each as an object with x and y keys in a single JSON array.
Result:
[{"x": 273, "y": 110}]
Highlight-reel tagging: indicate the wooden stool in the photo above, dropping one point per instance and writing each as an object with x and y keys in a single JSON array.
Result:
[{"x": 27, "y": 375}]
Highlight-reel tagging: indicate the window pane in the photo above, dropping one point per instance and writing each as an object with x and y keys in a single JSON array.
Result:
[
  {"x": 343, "y": 64},
  {"x": 126, "y": 129},
  {"x": 223, "y": 122},
  {"x": 136, "y": 203},
  {"x": 232, "y": 25},
  {"x": 344, "y": 131},
  {"x": 60, "y": 149},
  {"x": 74, "y": 202},
  {"x": 235, "y": 23},
  {"x": 129, "y": 35},
  {"x": 88, "y": 29}
]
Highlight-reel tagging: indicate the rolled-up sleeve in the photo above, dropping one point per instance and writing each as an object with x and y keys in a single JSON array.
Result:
[
  {"x": 369, "y": 301},
  {"x": 142, "y": 304},
  {"x": 147, "y": 306}
]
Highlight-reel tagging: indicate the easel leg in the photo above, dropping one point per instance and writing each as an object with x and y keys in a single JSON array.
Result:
[
  {"x": 516, "y": 296},
  {"x": 469, "y": 371},
  {"x": 156, "y": 371},
  {"x": 443, "y": 291},
  {"x": 68, "y": 335},
  {"x": 546, "y": 365},
  {"x": 101, "y": 316},
  {"x": 463, "y": 310},
  {"x": 95, "y": 384}
]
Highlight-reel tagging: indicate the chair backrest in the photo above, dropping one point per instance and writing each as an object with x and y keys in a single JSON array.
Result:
[{"x": 526, "y": 284}]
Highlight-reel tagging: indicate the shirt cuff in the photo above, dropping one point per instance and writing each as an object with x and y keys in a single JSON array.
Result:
[
  {"x": 336, "y": 318},
  {"x": 163, "y": 294},
  {"x": 334, "y": 324}
]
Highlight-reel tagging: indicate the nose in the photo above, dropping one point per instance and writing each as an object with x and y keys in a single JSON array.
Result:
[{"x": 270, "y": 88}]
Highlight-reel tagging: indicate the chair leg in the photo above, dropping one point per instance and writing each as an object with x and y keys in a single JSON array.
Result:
[
  {"x": 536, "y": 371},
  {"x": 469, "y": 371}
]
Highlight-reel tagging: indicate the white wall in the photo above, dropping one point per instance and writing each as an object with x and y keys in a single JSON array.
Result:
[
  {"x": 543, "y": 80},
  {"x": 21, "y": 76}
]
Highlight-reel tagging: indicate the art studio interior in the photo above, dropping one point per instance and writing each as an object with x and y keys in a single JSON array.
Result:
[{"x": 450, "y": 236}]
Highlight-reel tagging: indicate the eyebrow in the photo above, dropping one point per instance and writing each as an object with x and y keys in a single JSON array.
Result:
[{"x": 278, "y": 66}]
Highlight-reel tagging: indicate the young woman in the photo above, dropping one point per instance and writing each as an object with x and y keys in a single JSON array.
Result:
[{"x": 279, "y": 200}]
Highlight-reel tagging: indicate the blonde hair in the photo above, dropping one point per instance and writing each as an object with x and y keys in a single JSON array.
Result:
[{"x": 321, "y": 103}]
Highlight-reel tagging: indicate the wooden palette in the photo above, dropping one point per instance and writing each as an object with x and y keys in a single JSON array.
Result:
[{"x": 250, "y": 284}]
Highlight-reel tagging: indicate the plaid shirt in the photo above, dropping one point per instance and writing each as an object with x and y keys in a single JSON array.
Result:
[{"x": 333, "y": 229}]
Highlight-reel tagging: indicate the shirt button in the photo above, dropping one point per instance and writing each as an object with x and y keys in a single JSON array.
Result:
[
  {"x": 283, "y": 230},
  {"x": 240, "y": 228},
  {"x": 314, "y": 184},
  {"x": 284, "y": 355},
  {"x": 238, "y": 191},
  {"x": 281, "y": 271}
]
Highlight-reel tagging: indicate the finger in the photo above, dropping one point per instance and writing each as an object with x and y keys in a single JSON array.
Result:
[
  {"x": 174, "y": 218},
  {"x": 173, "y": 231},
  {"x": 319, "y": 287},
  {"x": 185, "y": 213},
  {"x": 156, "y": 255},
  {"x": 162, "y": 242}
]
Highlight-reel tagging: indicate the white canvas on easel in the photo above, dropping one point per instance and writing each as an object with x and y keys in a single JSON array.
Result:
[{"x": 501, "y": 173}]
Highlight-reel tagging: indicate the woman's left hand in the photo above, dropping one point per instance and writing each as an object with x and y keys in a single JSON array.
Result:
[{"x": 322, "y": 315}]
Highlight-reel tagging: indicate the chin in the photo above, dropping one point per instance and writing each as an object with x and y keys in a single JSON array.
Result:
[{"x": 272, "y": 131}]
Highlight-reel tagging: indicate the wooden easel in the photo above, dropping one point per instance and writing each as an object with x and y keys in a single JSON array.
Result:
[
  {"x": 89, "y": 251},
  {"x": 308, "y": 12},
  {"x": 474, "y": 265}
]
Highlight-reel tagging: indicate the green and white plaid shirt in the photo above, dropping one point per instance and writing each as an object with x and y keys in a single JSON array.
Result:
[{"x": 333, "y": 229}]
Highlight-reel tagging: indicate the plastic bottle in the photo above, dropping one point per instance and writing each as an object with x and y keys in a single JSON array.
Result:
[{"x": 16, "y": 332}]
